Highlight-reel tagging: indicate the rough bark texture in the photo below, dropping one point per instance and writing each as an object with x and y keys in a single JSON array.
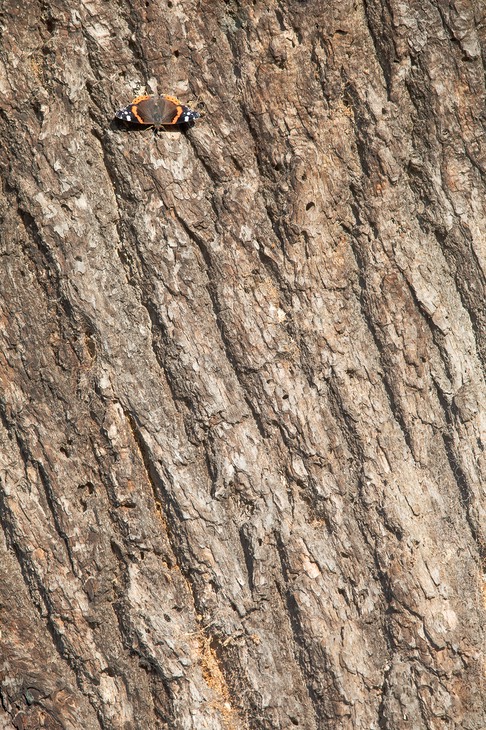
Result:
[{"x": 242, "y": 366}]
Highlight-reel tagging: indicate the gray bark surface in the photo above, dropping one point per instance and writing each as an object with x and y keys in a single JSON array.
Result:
[{"x": 242, "y": 388}]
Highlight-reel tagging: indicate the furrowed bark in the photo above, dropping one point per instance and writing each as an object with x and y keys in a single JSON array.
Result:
[{"x": 242, "y": 387}]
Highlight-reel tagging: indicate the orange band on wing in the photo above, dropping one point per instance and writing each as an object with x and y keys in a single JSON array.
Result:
[
  {"x": 133, "y": 109},
  {"x": 142, "y": 97},
  {"x": 173, "y": 99},
  {"x": 178, "y": 115}
]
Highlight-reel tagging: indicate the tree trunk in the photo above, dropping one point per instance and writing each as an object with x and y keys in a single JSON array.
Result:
[{"x": 242, "y": 388}]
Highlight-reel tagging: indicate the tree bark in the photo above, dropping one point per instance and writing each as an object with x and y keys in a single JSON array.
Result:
[{"x": 242, "y": 366}]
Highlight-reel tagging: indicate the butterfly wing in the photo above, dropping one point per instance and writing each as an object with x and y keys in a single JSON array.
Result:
[{"x": 173, "y": 111}]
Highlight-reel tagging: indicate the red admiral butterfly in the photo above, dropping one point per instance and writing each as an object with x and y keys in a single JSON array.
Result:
[{"x": 157, "y": 111}]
